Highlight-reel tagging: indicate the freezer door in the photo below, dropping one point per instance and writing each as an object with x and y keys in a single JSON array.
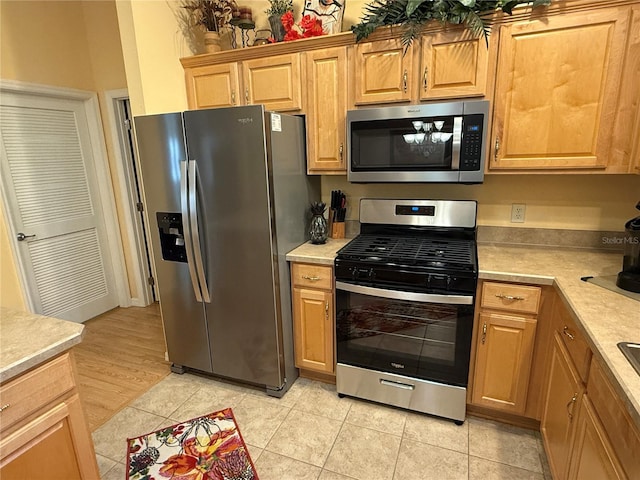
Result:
[
  {"x": 163, "y": 164},
  {"x": 229, "y": 148}
]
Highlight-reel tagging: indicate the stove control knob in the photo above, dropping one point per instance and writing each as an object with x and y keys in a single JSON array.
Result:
[
  {"x": 372, "y": 274},
  {"x": 354, "y": 272}
]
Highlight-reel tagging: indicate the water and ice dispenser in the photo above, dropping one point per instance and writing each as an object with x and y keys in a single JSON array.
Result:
[{"x": 171, "y": 237}]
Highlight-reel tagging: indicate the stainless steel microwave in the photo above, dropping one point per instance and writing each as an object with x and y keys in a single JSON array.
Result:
[{"x": 431, "y": 143}]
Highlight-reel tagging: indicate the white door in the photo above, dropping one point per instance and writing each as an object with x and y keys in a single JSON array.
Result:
[{"x": 52, "y": 197}]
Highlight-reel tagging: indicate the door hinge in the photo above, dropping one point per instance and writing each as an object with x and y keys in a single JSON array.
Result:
[
  {"x": 140, "y": 206},
  {"x": 127, "y": 124},
  {"x": 151, "y": 281}
]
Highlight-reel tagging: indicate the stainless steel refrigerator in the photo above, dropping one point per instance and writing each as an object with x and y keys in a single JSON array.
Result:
[{"x": 227, "y": 196}]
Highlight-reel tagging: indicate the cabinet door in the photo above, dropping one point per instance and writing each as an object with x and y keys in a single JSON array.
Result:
[
  {"x": 503, "y": 361},
  {"x": 274, "y": 82},
  {"x": 592, "y": 456},
  {"x": 313, "y": 329},
  {"x": 564, "y": 394},
  {"x": 453, "y": 64},
  {"x": 557, "y": 90},
  {"x": 212, "y": 86},
  {"x": 56, "y": 444},
  {"x": 326, "y": 106},
  {"x": 382, "y": 72}
]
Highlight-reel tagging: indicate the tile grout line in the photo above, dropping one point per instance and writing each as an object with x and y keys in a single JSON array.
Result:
[{"x": 395, "y": 466}]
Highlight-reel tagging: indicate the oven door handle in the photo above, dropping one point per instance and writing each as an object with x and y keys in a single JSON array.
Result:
[{"x": 410, "y": 296}]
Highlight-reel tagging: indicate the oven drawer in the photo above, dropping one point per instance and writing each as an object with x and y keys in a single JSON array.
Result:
[
  {"x": 316, "y": 276},
  {"x": 507, "y": 296}
]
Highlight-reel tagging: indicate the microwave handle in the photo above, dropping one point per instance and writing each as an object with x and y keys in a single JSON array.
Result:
[{"x": 457, "y": 142}]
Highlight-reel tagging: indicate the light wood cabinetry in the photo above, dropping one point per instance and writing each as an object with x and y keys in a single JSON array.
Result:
[
  {"x": 506, "y": 331},
  {"x": 557, "y": 90},
  {"x": 44, "y": 432},
  {"x": 452, "y": 65},
  {"x": 326, "y": 110},
  {"x": 313, "y": 318},
  {"x": 274, "y": 81},
  {"x": 382, "y": 72},
  {"x": 213, "y": 86},
  {"x": 564, "y": 395}
]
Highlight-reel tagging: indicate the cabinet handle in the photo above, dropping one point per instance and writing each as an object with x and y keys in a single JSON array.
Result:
[
  {"x": 4, "y": 407},
  {"x": 484, "y": 333},
  {"x": 246, "y": 95},
  {"x": 508, "y": 297},
  {"x": 341, "y": 151},
  {"x": 570, "y": 404},
  {"x": 326, "y": 309},
  {"x": 404, "y": 81},
  {"x": 233, "y": 97},
  {"x": 566, "y": 331},
  {"x": 496, "y": 150},
  {"x": 425, "y": 80},
  {"x": 313, "y": 279}
]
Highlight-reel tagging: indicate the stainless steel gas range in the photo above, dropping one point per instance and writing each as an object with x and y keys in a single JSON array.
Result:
[{"x": 405, "y": 291}]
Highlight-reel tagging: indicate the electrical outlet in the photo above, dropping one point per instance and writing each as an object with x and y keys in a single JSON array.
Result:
[{"x": 517, "y": 212}]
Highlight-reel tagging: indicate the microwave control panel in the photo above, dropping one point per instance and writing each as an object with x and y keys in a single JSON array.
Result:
[{"x": 471, "y": 148}]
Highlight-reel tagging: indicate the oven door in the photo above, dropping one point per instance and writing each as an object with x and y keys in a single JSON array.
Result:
[{"x": 417, "y": 335}]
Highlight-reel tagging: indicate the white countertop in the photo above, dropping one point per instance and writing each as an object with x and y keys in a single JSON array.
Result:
[
  {"x": 28, "y": 339},
  {"x": 605, "y": 317}
]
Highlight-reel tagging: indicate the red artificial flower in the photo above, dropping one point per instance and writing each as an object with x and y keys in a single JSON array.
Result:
[
  {"x": 315, "y": 30},
  {"x": 307, "y": 22},
  {"x": 292, "y": 35},
  {"x": 287, "y": 21}
]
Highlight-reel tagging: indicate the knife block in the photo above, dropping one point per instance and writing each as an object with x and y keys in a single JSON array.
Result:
[{"x": 337, "y": 230}]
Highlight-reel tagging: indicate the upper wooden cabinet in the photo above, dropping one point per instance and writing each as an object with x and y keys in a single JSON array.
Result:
[
  {"x": 213, "y": 86},
  {"x": 557, "y": 90},
  {"x": 326, "y": 106},
  {"x": 273, "y": 81},
  {"x": 453, "y": 64},
  {"x": 382, "y": 72}
]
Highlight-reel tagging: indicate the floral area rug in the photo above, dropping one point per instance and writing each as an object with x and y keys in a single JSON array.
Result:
[{"x": 205, "y": 448}]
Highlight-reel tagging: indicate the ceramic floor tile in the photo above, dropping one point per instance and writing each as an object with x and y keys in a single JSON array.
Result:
[
  {"x": 544, "y": 461},
  {"x": 378, "y": 417},
  {"x": 305, "y": 437},
  {"x": 209, "y": 398},
  {"x": 437, "y": 431},
  {"x": 481, "y": 469},
  {"x": 104, "y": 464},
  {"x": 258, "y": 419},
  {"x": 321, "y": 399},
  {"x": 420, "y": 461},
  {"x": 118, "y": 472},
  {"x": 504, "y": 444},
  {"x": 329, "y": 475},
  {"x": 167, "y": 395},
  {"x": 272, "y": 466},
  {"x": 290, "y": 398},
  {"x": 363, "y": 453},
  {"x": 110, "y": 440},
  {"x": 254, "y": 452}
]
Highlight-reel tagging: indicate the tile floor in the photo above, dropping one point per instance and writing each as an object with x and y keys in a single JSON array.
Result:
[{"x": 312, "y": 434}]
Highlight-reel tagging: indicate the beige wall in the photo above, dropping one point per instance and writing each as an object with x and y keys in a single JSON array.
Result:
[
  {"x": 70, "y": 44},
  {"x": 574, "y": 202}
]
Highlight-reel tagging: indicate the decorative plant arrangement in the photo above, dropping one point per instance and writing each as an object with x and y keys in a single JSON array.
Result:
[
  {"x": 275, "y": 12},
  {"x": 308, "y": 27},
  {"x": 413, "y": 14},
  {"x": 213, "y": 15}
]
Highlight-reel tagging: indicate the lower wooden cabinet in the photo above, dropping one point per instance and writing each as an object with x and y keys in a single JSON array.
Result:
[
  {"x": 563, "y": 399},
  {"x": 592, "y": 456},
  {"x": 313, "y": 318},
  {"x": 503, "y": 361},
  {"x": 44, "y": 434}
]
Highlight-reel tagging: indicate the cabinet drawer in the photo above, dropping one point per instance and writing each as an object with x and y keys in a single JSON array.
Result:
[
  {"x": 306, "y": 275},
  {"x": 33, "y": 390},
  {"x": 506, "y": 296},
  {"x": 573, "y": 340}
]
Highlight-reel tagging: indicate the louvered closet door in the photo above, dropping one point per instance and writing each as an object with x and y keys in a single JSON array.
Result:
[{"x": 52, "y": 192}]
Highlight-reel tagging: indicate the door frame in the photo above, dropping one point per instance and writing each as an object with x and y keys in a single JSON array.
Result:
[
  {"x": 105, "y": 187},
  {"x": 126, "y": 177}
]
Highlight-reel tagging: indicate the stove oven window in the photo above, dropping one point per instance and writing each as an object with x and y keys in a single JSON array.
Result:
[
  {"x": 406, "y": 145},
  {"x": 430, "y": 341}
]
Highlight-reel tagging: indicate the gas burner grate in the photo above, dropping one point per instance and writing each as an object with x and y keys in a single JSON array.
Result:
[{"x": 410, "y": 250}]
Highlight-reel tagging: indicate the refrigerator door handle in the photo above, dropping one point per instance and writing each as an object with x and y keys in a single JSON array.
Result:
[
  {"x": 184, "y": 207},
  {"x": 193, "y": 220}
]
